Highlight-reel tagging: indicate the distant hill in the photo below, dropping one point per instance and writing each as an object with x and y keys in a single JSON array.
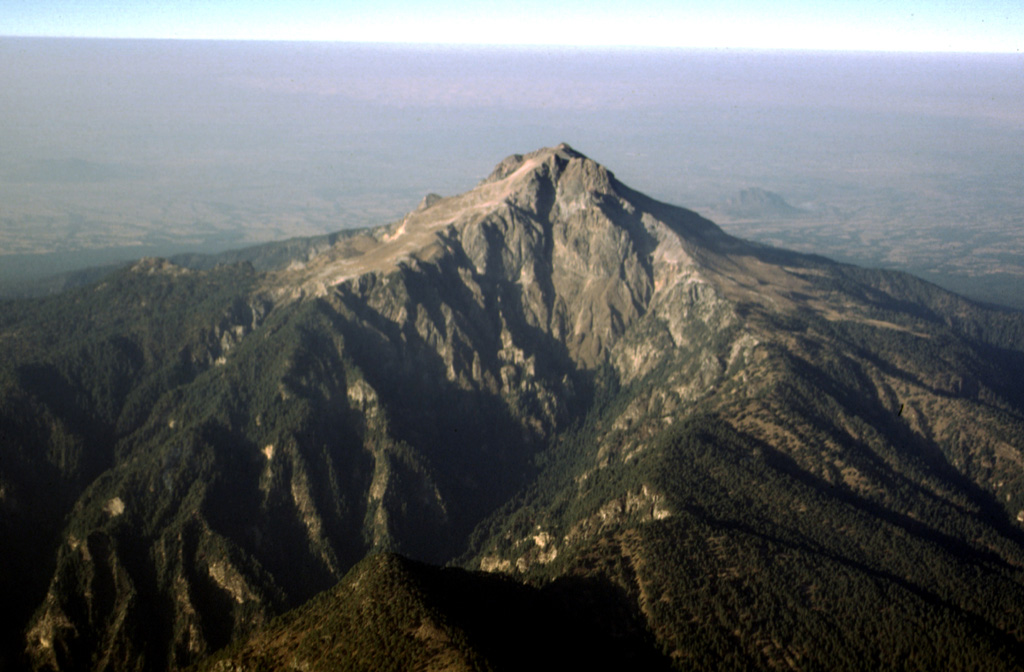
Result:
[
  {"x": 757, "y": 203},
  {"x": 629, "y": 437}
]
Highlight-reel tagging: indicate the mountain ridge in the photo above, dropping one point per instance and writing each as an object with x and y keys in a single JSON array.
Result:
[{"x": 550, "y": 376}]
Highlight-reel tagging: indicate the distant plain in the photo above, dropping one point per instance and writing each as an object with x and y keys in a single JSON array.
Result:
[{"x": 115, "y": 149}]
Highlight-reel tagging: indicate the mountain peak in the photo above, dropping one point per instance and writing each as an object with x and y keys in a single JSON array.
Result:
[
  {"x": 561, "y": 153},
  {"x": 555, "y": 202}
]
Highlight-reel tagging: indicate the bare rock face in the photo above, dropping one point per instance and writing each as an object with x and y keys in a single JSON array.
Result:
[{"x": 554, "y": 233}]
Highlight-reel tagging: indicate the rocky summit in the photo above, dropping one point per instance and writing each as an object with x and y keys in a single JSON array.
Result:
[{"x": 601, "y": 411}]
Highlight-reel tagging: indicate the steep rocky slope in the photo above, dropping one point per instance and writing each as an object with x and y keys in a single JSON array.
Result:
[{"x": 551, "y": 375}]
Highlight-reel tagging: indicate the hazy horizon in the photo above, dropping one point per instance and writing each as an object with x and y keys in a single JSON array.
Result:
[{"x": 110, "y": 149}]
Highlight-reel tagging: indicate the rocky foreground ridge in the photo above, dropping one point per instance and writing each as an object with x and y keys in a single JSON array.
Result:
[{"x": 770, "y": 459}]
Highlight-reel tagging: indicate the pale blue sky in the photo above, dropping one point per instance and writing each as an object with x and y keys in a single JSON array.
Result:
[{"x": 898, "y": 25}]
